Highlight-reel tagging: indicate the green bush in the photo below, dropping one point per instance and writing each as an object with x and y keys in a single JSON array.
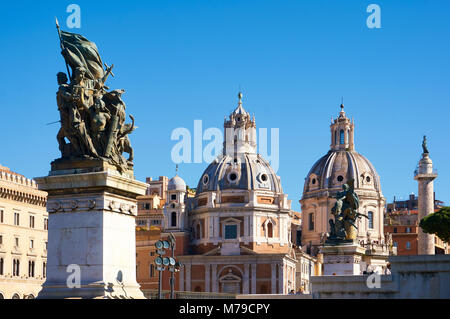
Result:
[{"x": 438, "y": 224}]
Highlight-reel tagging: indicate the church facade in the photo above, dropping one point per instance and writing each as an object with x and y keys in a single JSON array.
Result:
[
  {"x": 238, "y": 224},
  {"x": 327, "y": 177}
]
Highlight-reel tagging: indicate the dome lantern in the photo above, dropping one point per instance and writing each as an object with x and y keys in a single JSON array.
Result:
[
  {"x": 240, "y": 132},
  {"x": 342, "y": 132}
]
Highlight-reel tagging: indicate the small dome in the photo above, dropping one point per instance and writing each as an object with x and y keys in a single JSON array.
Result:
[
  {"x": 246, "y": 172},
  {"x": 176, "y": 183},
  {"x": 336, "y": 168}
]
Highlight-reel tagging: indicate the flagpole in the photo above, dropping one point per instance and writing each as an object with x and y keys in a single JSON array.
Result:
[{"x": 62, "y": 45}]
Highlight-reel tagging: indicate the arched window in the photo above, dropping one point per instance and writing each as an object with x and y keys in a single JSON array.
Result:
[
  {"x": 370, "y": 220},
  {"x": 16, "y": 267},
  {"x": 269, "y": 230},
  {"x": 173, "y": 219},
  {"x": 342, "y": 137}
]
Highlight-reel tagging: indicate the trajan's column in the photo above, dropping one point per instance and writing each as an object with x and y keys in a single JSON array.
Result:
[{"x": 425, "y": 175}]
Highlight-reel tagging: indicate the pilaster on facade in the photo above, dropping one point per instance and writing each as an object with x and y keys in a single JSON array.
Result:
[
  {"x": 273, "y": 278},
  {"x": 207, "y": 277},
  {"x": 188, "y": 277},
  {"x": 245, "y": 284},
  {"x": 253, "y": 290},
  {"x": 281, "y": 278},
  {"x": 215, "y": 287},
  {"x": 181, "y": 279}
]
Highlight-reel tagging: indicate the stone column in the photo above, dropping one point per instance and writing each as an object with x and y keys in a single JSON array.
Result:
[
  {"x": 425, "y": 176},
  {"x": 91, "y": 234}
]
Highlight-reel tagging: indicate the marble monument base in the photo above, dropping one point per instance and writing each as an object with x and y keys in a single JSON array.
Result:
[
  {"x": 342, "y": 258},
  {"x": 91, "y": 235}
]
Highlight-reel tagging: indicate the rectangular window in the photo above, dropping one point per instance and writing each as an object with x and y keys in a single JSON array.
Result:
[
  {"x": 1, "y": 216},
  {"x": 45, "y": 223},
  {"x": 31, "y": 244},
  {"x": 17, "y": 241},
  {"x": 311, "y": 221},
  {"x": 16, "y": 219},
  {"x": 395, "y": 230},
  {"x": 408, "y": 230},
  {"x": 230, "y": 231},
  {"x": 31, "y": 221},
  {"x": 370, "y": 216},
  {"x": 408, "y": 245},
  {"x": 173, "y": 197},
  {"x": 152, "y": 271},
  {"x": 1, "y": 239}
]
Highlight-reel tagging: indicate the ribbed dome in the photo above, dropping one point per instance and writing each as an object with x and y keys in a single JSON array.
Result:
[
  {"x": 247, "y": 172},
  {"x": 336, "y": 168},
  {"x": 176, "y": 183}
]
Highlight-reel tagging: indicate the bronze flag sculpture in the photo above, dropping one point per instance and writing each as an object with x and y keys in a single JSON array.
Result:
[{"x": 92, "y": 117}]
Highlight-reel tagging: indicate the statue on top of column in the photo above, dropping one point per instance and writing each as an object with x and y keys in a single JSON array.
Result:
[
  {"x": 424, "y": 145},
  {"x": 92, "y": 118}
]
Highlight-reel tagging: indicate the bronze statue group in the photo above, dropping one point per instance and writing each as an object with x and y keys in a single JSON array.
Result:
[{"x": 92, "y": 118}]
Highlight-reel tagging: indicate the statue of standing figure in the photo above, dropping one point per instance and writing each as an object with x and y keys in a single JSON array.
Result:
[
  {"x": 424, "y": 145},
  {"x": 345, "y": 212}
]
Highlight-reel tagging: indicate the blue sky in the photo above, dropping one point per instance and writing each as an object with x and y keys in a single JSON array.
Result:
[{"x": 180, "y": 61}]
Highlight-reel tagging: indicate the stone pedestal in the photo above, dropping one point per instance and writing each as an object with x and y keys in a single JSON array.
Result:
[
  {"x": 91, "y": 229},
  {"x": 342, "y": 259}
]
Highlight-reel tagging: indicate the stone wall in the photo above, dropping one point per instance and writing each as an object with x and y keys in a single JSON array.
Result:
[{"x": 423, "y": 276}]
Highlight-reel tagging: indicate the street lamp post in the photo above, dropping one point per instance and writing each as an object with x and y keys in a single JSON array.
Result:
[{"x": 163, "y": 263}]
